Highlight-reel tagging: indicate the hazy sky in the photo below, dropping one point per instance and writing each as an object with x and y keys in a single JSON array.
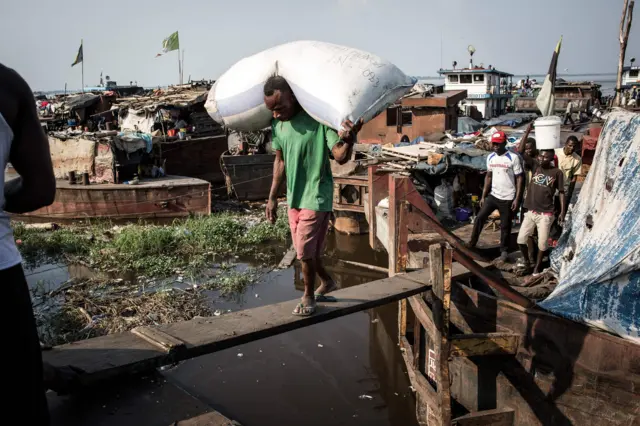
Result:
[{"x": 40, "y": 38}]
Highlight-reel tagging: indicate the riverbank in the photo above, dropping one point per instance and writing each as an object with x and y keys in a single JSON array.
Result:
[{"x": 151, "y": 249}]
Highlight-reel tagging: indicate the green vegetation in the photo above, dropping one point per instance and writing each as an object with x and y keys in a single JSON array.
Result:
[
  {"x": 154, "y": 250},
  {"x": 81, "y": 309}
]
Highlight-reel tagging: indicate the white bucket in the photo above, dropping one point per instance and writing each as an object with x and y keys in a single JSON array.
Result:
[{"x": 548, "y": 132}]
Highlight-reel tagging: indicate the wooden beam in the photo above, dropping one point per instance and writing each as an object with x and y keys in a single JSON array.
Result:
[
  {"x": 122, "y": 354},
  {"x": 444, "y": 383},
  {"x": 157, "y": 338},
  {"x": 499, "y": 417},
  {"x": 418, "y": 380},
  {"x": 424, "y": 316},
  {"x": 209, "y": 419},
  {"x": 378, "y": 190},
  {"x": 465, "y": 345},
  {"x": 350, "y": 180},
  {"x": 343, "y": 207}
]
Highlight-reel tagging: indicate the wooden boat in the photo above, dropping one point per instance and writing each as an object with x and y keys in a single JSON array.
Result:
[
  {"x": 167, "y": 197},
  {"x": 478, "y": 353},
  {"x": 582, "y": 94},
  {"x": 249, "y": 176}
]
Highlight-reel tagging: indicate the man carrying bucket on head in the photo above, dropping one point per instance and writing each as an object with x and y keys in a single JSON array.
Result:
[
  {"x": 502, "y": 191},
  {"x": 545, "y": 181},
  {"x": 302, "y": 147}
]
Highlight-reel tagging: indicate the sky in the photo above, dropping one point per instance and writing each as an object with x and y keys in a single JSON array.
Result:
[{"x": 40, "y": 38}]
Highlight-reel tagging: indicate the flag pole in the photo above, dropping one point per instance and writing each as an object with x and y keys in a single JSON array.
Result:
[
  {"x": 179, "y": 67},
  {"x": 82, "y": 44}
]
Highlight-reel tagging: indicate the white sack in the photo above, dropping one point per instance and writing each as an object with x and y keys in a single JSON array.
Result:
[{"x": 331, "y": 82}]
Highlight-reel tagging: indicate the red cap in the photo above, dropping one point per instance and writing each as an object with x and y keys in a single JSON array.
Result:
[{"x": 498, "y": 137}]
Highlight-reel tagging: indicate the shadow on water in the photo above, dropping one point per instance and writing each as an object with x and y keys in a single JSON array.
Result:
[{"x": 319, "y": 373}]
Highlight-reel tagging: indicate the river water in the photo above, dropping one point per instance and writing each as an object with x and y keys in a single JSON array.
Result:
[{"x": 347, "y": 371}]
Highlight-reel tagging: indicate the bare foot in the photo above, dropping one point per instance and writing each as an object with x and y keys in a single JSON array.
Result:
[{"x": 326, "y": 287}]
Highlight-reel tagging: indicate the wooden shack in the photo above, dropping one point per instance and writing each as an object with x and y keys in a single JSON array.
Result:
[{"x": 414, "y": 116}]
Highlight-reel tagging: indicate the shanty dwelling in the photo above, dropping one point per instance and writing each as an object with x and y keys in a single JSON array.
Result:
[
  {"x": 414, "y": 116},
  {"x": 160, "y": 163},
  {"x": 487, "y": 94}
]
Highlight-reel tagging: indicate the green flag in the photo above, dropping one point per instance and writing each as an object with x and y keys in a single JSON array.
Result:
[
  {"x": 79, "y": 56},
  {"x": 169, "y": 44}
]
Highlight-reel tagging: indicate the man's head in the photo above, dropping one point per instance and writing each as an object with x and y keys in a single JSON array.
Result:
[
  {"x": 571, "y": 145},
  {"x": 530, "y": 148},
  {"x": 545, "y": 158},
  {"x": 279, "y": 98},
  {"x": 499, "y": 142}
]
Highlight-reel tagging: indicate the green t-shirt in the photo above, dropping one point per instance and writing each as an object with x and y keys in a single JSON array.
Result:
[{"x": 305, "y": 146}]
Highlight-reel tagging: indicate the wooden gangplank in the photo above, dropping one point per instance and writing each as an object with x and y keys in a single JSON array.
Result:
[{"x": 120, "y": 354}]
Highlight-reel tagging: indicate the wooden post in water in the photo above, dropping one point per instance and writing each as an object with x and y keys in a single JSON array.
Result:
[{"x": 625, "y": 28}]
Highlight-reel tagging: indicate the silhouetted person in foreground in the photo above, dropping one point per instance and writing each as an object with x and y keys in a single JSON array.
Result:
[{"x": 24, "y": 144}]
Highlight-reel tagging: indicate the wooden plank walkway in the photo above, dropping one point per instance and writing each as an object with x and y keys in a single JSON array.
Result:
[{"x": 120, "y": 354}]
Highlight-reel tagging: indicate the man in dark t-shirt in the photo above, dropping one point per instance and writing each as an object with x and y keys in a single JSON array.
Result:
[{"x": 546, "y": 179}]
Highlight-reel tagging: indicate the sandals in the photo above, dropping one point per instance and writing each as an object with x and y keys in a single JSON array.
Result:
[
  {"x": 302, "y": 310},
  {"x": 324, "y": 298}
]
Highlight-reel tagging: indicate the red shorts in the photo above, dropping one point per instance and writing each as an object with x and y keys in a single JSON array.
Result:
[{"x": 308, "y": 230}]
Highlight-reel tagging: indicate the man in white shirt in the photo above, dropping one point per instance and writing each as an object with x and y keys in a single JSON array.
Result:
[
  {"x": 568, "y": 112},
  {"x": 502, "y": 191}
]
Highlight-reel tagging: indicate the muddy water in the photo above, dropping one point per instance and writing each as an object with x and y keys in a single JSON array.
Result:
[{"x": 318, "y": 375}]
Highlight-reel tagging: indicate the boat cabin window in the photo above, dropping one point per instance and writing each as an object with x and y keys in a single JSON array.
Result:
[
  {"x": 465, "y": 79},
  {"x": 633, "y": 73},
  {"x": 478, "y": 78},
  {"x": 392, "y": 117},
  {"x": 407, "y": 118},
  {"x": 453, "y": 78}
]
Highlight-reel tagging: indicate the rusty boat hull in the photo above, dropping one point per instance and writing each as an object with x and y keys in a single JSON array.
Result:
[{"x": 162, "y": 198}]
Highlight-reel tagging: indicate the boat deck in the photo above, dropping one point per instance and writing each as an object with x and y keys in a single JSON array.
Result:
[{"x": 163, "y": 182}]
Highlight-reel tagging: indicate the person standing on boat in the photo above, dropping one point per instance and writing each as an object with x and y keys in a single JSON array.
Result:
[
  {"x": 568, "y": 112},
  {"x": 302, "y": 147},
  {"x": 502, "y": 191},
  {"x": 24, "y": 144},
  {"x": 570, "y": 164},
  {"x": 545, "y": 181}
]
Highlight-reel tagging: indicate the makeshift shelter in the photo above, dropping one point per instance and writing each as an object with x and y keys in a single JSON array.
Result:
[{"x": 597, "y": 259}]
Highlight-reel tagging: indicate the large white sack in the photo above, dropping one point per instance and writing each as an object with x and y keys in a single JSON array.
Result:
[{"x": 331, "y": 82}]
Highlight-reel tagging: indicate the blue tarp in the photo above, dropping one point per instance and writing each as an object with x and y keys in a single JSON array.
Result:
[{"x": 597, "y": 259}]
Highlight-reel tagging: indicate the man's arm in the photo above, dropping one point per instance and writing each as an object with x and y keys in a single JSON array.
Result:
[
  {"x": 518, "y": 171},
  {"x": 276, "y": 183},
  {"x": 519, "y": 187},
  {"x": 487, "y": 187},
  {"x": 342, "y": 150},
  {"x": 29, "y": 156},
  {"x": 563, "y": 208},
  {"x": 523, "y": 141}
]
